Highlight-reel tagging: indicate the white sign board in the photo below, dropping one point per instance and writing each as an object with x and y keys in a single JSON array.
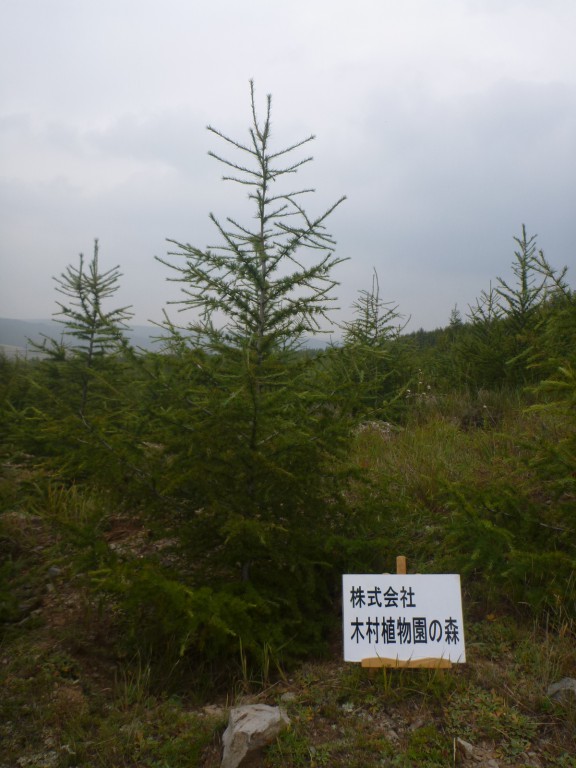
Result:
[{"x": 403, "y": 617}]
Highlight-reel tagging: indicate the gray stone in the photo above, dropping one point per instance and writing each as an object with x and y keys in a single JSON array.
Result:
[
  {"x": 561, "y": 690},
  {"x": 250, "y": 728},
  {"x": 479, "y": 757},
  {"x": 531, "y": 760},
  {"x": 288, "y": 696},
  {"x": 213, "y": 710},
  {"x": 465, "y": 748}
]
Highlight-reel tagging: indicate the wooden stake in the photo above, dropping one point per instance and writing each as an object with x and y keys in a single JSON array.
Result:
[
  {"x": 401, "y": 565},
  {"x": 378, "y": 662}
]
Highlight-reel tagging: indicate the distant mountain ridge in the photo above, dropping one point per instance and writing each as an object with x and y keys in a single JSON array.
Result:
[{"x": 15, "y": 335}]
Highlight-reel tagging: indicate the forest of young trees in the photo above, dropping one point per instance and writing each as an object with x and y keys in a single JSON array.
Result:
[{"x": 261, "y": 470}]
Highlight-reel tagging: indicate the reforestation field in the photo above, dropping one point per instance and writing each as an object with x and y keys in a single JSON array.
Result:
[{"x": 174, "y": 524}]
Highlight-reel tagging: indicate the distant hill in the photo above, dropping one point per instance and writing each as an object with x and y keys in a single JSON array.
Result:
[{"x": 15, "y": 335}]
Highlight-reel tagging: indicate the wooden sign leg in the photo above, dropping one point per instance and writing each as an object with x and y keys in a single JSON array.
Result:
[{"x": 401, "y": 565}]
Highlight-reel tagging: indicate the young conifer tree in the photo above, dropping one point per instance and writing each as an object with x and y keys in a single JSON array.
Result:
[
  {"x": 370, "y": 364},
  {"x": 499, "y": 346},
  {"x": 91, "y": 330},
  {"x": 256, "y": 279},
  {"x": 81, "y": 397},
  {"x": 254, "y": 451}
]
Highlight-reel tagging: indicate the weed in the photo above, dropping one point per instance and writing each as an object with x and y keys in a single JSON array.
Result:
[
  {"x": 132, "y": 686},
  {"x": 475, "y": 713},
  {"x": 427, "y": 748},
  {"x": 293, "y": 749}
]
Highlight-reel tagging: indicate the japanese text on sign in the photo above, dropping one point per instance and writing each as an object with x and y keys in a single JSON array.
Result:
[{"x": 404, "y": 617}]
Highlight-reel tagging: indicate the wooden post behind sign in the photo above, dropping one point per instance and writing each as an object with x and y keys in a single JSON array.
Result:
[{"x": 378, "y": 662}]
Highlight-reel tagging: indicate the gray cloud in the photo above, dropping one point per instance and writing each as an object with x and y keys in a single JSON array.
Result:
[{"x": 447, "y": 127}]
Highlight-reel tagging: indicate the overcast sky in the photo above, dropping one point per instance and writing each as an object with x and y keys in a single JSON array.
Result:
[{"x": 447, "y": 124}]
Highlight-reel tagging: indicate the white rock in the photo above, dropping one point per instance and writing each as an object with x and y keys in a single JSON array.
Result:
[
  {"x": 561, "y": 690},
  {"x": 288, "y": 696},
  {"x": 465, "y": 748},
  {"x": 250, "y": 728}
]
